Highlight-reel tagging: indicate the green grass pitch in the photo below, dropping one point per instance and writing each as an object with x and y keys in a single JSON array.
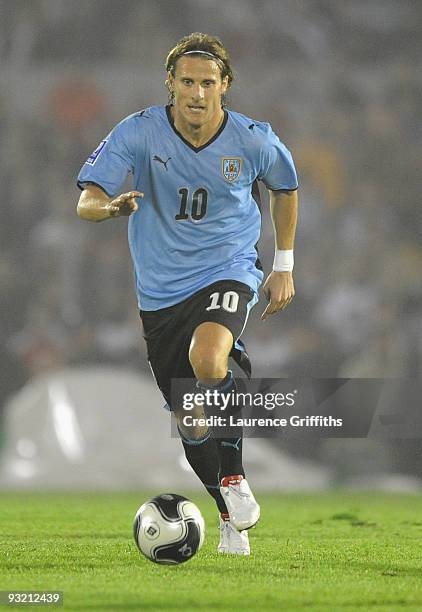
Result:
[{"x": 322, "y": 552}]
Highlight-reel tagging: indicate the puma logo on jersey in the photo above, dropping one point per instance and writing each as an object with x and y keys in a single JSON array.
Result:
[{"x": 156, "y": 158}]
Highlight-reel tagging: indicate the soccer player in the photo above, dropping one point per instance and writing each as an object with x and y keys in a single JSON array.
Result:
[{"x": 195, "y": 165}]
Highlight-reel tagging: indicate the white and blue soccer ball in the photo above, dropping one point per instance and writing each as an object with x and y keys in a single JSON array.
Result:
[{"x": 169, "y": 529}]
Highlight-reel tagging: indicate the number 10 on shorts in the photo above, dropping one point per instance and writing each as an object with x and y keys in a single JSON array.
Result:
[{"x": 229, "y": 302}]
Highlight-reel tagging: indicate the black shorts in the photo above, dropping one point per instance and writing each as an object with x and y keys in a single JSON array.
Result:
[{"x": 168, "y": 331}]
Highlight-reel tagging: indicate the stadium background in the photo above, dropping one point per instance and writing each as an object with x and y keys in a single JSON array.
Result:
[{"x": 341, "y": 84}]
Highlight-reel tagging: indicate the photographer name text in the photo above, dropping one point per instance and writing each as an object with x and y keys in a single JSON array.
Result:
[{"x": 233, "y": 421}]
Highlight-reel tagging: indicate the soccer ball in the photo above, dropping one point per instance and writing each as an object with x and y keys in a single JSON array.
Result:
[{"x": 169, "y": 529}]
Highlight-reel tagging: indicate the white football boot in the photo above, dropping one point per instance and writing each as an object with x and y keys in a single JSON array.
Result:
[
  {"x": 232, "y": 541},
  {"x": 241, "y": 504}
]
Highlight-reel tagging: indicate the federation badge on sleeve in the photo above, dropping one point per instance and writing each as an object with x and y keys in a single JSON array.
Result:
[
  {"x": 231, "y": 167},
  {"x": 93, "y": 157}
]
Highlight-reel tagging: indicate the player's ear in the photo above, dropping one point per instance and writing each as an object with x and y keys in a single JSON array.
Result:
[{"x": 225, "y": 84}]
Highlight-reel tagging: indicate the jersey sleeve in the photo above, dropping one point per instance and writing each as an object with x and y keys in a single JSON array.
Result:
[
  {"x": 111, "y": 162},
  {"x": 277, "y": 169}
]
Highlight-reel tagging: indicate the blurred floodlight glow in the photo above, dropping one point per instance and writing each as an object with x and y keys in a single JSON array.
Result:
[
  {"x": 27, "y": 449},
  {"x": 66, "y": 426},
  {"x": 23, "y": 469}
]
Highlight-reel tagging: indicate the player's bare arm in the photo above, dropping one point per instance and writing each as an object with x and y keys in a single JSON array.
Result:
[
  {"x": 279, "y": 287},
  {"x": 95, "y": 205}
]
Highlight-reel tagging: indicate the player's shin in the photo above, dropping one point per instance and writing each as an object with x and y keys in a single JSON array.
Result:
[
  {"x": 243, "y": 509},
  {"x": 203, "y": 458},
  {"x": 228, "y": 441}
]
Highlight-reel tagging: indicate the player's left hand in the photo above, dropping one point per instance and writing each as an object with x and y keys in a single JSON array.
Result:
[{"x": 279, "y": 290}]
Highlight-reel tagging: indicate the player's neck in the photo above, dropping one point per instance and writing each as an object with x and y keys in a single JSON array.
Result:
[{"x": 197, "y": 135}]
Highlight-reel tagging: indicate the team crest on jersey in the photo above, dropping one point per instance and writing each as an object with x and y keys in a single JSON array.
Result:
[
  {"x": 231, "y": 167},
  {"x": 93, "y": 157}
]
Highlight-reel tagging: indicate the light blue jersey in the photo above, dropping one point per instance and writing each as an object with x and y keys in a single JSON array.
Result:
[{"x": 198, "y": 221}]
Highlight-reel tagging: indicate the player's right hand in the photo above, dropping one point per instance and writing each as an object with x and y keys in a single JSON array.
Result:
[{"x": 124, "y": 205}]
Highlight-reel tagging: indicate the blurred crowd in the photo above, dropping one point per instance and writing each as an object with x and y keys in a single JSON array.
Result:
[{"x": 341, "y": 84}]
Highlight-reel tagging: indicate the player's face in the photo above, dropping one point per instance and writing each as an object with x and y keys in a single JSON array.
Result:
[{"x": 197, "y": 88}]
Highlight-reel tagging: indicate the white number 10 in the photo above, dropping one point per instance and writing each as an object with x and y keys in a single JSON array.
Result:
[{"x": 230, "y": 301}]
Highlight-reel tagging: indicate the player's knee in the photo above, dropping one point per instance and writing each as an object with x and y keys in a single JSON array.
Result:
[{"x": 208, "y": 364}]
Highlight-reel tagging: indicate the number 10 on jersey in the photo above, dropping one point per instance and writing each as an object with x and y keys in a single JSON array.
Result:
[{"x": 198, "y": 206}]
